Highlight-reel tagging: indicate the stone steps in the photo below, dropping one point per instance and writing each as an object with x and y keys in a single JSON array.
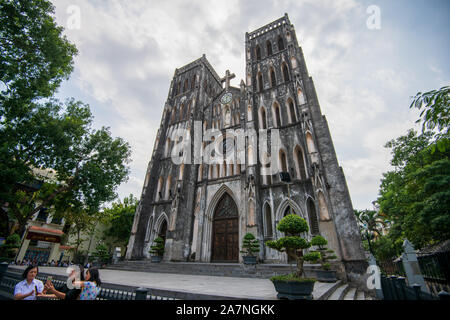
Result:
[
  {"x": 360, "y": 295},
  {"x": 351, "y": 294},
  {"x": 322, "y": 290},
  {"x": 343, "y": 291},
  {"x": 262, "y": 271},
  {"x": 340, "y": 292}
]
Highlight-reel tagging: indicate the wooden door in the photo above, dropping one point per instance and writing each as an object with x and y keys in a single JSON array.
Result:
[{"x": 225, "y": 244}]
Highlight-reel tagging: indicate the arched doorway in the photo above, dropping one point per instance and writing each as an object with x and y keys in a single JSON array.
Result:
[
  {"x": 225, "y": 233},
  {"x": 163, "y": 230}
]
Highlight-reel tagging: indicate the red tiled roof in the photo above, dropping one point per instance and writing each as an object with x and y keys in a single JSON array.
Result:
[{"x": 46, "y": 230}]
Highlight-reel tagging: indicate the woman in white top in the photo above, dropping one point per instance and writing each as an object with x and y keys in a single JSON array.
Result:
[{"x": 30, "y": 287}]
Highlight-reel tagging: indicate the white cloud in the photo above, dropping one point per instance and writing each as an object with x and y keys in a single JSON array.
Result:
[{"x": 130, "y": 49}]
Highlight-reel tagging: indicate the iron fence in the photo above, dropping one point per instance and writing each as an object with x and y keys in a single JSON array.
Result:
[{"x": 435, "y": 268}]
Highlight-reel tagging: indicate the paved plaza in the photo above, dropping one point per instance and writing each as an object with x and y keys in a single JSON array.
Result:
[{"x": 228, "y": 287}]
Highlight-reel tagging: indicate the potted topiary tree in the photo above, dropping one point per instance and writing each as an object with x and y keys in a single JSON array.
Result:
[
  {"x": 157, "y": 250},
  {"x": 250, "y": 245},
  {"x": 325, "y": 275},
  {"x": 102, "y": 255},
  {"x": 296, "y": 285}
]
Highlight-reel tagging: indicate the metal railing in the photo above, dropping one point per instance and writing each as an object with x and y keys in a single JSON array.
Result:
[{"x": 10, "y": 279}]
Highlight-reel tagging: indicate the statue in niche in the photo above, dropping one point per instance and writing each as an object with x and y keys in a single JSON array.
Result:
[
  {"x": 227, "y": 117},
  {"x": 251, "y": 186},
  {"x": 173, "y": 210}
]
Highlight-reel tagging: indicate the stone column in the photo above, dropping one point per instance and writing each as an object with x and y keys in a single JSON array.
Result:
[
  {"x": 23, "y": 249},
  {"x": 54, "y": 253},
  {"x": 412, "y": 268}
]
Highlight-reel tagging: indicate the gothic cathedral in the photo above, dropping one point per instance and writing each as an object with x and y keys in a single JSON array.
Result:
[{"x": 214, "y": 174}]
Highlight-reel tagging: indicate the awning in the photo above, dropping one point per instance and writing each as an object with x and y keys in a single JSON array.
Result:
[
  {"x": 46, "y": 230},
  {"x": 65, "y": 247}
]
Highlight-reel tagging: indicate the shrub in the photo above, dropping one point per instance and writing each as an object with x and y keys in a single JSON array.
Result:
[
  {"x": 102, "y": 253},
  {"x": 291, "y": 277},
  {"x": 324, "y": 253},
  {"x": 158, "y": 247},
  {"x": 250, "y": 244},
  {"x": 293, "y": 244}
]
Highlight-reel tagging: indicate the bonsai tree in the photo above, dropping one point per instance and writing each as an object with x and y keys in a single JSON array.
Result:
[
  {"x": 250, "y": 244},
  {"x": 102, "y": 254},
  {"x": 293, "y": 244},
  {"x": 325, "y": 253},
  {"x": 158, "y": 248}
]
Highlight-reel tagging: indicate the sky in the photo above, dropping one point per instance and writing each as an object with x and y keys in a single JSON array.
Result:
[{"x": 367, "y": 60}]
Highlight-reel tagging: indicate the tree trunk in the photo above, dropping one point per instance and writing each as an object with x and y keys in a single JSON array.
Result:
[
  {"x": 300, "y": 264},
  {"x": 4, "y": 217}
]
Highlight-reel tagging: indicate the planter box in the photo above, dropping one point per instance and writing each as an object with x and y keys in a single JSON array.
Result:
[
  {"x": 249, "y": 259},
  {"x": 294, "y": 290},
  {"x": 156, "y": 259}
]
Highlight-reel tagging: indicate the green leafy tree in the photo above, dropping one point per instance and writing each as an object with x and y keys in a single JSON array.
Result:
[
  {"x": 387, "y": 248},
  {"x": 293, "y": 244},
  {"x": 119, "y": 219},
  {"x": 435, "y": 115},
  {"x": 38, "y": 132},
  {"x": 414, "y": 196},
  {"x": 371, "y": 224},
  {"x": 36, "y": 56},
  {"x": 79, "y": 224}
]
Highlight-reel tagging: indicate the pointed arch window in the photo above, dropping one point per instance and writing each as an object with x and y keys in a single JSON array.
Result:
[
  {"x": 283, "y": 161},
  {"x": 313, "y": 223},
  {"x": 280, "y": 43},
  {"x": 285, "y": 72},
  {"x": 262, "y": 118},
  {"x": 268, "y": 221},
  {"x": 273, "y": 79},
  {"x": 158, "y": 195},
  {"x": 277, "y": 115},
  {"x": 258, "y": 53},
  {"x": 260, "y": 82},
  {"x": 291, "y": 108},
  {"x": 310, "y": 143},
  {"x": 269, "y": 48},
  {"x": 299, "y": 163},
  {"x": 168, "y": 185}
]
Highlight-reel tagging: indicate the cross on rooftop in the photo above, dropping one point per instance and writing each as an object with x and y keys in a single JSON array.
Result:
[{"x": 227, "y": 78}]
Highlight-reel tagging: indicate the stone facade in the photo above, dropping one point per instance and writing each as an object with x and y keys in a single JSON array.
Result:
[{"x": 279, "y": 104}]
